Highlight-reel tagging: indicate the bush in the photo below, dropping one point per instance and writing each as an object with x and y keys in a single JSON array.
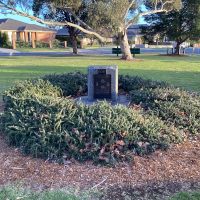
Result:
[
  {"x": 23, "y": 44},
  {"x": 129, "y": 83},
  {"x": 172, "y": 105},
  {"x": 75, "y": 84},
  {"x": 54, "y": 127},
  {"x": 57, "y": 44},
  {"x": 4, "y": 40},
  {"x": 72, "y": 84},
  {"x": 40, "y": 44},
  {"x": 42, "y": 121},
  {"x": 31, "y": 89}
]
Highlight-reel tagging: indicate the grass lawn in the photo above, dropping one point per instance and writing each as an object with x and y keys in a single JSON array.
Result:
[
  {"x": 14, "y": 193},
  {"x": 180, "y": 71},
  {"x": 11, "y": 192},
  {"x": 187, "y": 196}
]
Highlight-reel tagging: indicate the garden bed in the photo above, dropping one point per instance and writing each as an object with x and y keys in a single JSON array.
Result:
[
  {"x": 155, "y": 176},
  {"x": 42, "y": 120},
  {"x": 38, "y": 113}
]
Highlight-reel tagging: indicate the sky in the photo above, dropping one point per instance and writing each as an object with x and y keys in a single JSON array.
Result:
[
  {"x": 19, "y": 18},
  {"x": 25, "y": 19}
]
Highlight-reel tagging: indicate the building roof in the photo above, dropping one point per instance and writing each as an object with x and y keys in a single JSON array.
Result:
[
  {"x": 135, "y": 30},
  {"x": 62, "y": 32},
  {"x": 14, "y": 25}
]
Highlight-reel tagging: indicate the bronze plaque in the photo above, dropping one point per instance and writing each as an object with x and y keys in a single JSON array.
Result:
[{"x": 102, "y": 86}]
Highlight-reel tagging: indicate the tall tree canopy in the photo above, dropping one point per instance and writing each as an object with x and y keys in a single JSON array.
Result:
[
  {"x": 103, "y": 16},
  {"x": 178, "y": 26}
]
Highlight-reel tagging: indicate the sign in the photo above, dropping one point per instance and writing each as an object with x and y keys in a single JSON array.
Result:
[{"x": 102, "y": 85}]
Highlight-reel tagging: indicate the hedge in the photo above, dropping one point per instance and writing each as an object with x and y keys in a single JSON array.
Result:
[
  {"x": 42, "y": 121},
  {"x": 173, "y": 105}
]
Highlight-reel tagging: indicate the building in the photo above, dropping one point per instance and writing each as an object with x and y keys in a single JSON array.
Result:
[
  {"x": 134, "y": 33},
  {"x": 30, "y": 33},
  {"x": 63, "y": 34}
]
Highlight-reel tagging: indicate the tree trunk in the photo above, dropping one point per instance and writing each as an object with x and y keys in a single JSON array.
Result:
[
  {"x": 74, "y": 44},
  {"x": 177, "y": 48},
  {"x": 125, "y": 48},
  {"x": 73, "y": 38}
]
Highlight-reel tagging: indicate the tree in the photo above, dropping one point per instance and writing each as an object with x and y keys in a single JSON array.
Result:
[
  {"x": 4, "y": 41},
  {"x": 52, "y": 11},
  {"x": 110, "y": 16},
  {"x": 178, "y": 26}
]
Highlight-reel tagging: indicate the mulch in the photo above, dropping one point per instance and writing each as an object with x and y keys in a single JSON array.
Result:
[
  {"x": 178, "y": 166},
  {"x": 148, "y": 177}
]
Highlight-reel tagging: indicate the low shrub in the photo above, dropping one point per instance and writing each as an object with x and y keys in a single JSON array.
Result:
[
  {"x": 23, "y": 44},
  {"x": 130, "y": 83},
  {"x": 32, "y": 88},
  {"x": 54, "y": 127},
  {"x": 58, "y": 44},
  {"x": 72, "y": 84},
  {"x": 40, "y": 44},
  {"x": 42, "y": 121},
  {"x": 172, "y": 105},
  {"x": 75, "y": 83}
]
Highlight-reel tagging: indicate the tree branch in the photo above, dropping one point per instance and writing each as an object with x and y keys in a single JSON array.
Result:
[
  {"x": 52, "y": 23},
  {"x": 129, "y": 7},
  {"x": 158, "y": 8},
  {"x": 79, "y": 20},
  {"x": 132, "y": 21},
  {"x": 167, "y": 2}
]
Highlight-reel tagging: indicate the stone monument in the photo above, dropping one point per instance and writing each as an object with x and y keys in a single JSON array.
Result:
[{"x": 103, "y": 83}]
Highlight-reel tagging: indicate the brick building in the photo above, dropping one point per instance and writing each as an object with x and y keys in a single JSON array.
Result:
[{"x": 30, "y": 33}]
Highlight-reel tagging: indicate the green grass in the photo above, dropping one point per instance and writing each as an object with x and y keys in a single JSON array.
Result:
[
  {"x": 16, "y": 192},
  {"x": 43, "y": 49},
  {"x": 180, "y": 71},
  {"x": 187, "y": 196}
]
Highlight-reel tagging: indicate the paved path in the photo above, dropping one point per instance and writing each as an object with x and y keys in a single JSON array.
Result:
[
  {"x": 99, "y": 51},
  {"x": 7, "y": 51}
]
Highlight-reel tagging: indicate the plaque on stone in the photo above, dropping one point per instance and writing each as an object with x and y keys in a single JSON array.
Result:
[
  {"x": 102, "y": 86},
  {"x": 103, "y": 83}
]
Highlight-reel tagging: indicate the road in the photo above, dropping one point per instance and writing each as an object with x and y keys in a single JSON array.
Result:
[{"x": 97, "y": 51}]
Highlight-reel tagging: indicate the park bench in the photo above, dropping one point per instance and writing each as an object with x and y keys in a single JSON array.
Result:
[{"x": 133, "y": 51}]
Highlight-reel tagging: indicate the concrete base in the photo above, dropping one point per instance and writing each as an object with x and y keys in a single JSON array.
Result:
[{"x": 121, "y": 100}]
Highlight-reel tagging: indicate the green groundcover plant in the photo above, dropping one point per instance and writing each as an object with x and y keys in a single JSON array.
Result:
[
  {"x": 43, "y": 119},
  {"x": 186, "y": 196},
  {"x": 13, "y": 192}
]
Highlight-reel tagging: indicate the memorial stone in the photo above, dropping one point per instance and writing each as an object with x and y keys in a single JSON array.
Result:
[{"x": 103, "y": 83}]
